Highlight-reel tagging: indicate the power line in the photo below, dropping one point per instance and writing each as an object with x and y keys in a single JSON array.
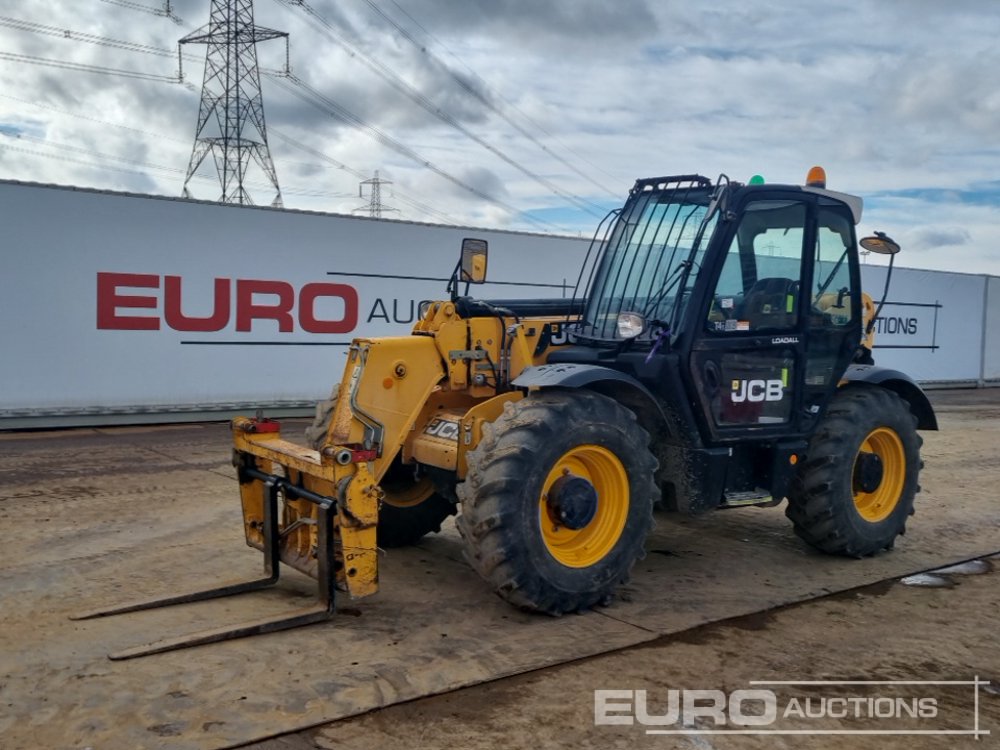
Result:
[
  {"x": 318, "y": 154},
  {"x": 317, "y": 100},
  {"x": 390, "y": 76},
  {"x": 166, "y": 11},
  {"x": 308, "y": 94},
  {"x": 91, "y": 152},
  {"x": 423, "y": 207},
  {"x": 85, "y": 68},
  {"x": 494, "y": 92},
  {"x": 68, "y": 34},
  {"x": 103, "y": 41},
  {"x": 157, "y": 136},
  {"x": 323, "y": 104},
  {"x": 304, "y": 192},
  {"x": 70, "y": 160},
  {"x": 79, "y": 36},
  {"x": 477, "y": 94}
]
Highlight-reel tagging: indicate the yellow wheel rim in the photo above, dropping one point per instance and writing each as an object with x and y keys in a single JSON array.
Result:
[
  {"x": 581, "y": 548},
  {"x": 402, "y": 490},
  {"x": 877, "y": 505}
]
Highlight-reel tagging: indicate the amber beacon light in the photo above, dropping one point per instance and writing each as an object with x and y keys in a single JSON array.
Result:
[{"x": 816, "y": 177}]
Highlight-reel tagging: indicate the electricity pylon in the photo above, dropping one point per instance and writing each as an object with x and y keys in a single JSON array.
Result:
[
  {"x": 231, "y": 115},
  {"x": 375, "y": 206}
]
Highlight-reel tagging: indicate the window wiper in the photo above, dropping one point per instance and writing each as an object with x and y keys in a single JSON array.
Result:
[
  {"x": 668, "y": 284},
  {"x": 829, "y": 279}
]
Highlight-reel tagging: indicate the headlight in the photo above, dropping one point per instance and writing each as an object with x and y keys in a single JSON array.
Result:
[{"x": 630, "y": 325}]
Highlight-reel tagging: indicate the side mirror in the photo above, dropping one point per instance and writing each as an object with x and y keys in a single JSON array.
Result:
[
  {"x": 881, "y": 243},
  {"x": 473, "y": 264}
]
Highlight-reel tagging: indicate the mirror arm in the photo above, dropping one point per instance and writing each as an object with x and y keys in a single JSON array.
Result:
[
  {"x": 452, "y": 288},
  {"x": 885, "y": 293}
]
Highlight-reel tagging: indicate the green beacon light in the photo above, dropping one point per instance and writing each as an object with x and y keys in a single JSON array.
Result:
[{"x": 756, "y": 180}]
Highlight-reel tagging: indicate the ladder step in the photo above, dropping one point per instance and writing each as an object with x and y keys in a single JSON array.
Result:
[{"x": 751, "y": 497}]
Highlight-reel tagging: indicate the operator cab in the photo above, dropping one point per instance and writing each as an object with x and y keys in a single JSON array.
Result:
[{"x": 746, "y": 295}]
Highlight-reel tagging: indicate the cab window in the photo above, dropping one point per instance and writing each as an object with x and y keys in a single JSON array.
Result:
[
  {"x": 831, "y": 294},
  {"x": 758, "y": 287}
]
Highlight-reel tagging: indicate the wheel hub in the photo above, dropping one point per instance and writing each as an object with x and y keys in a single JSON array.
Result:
[
  {"x": 868, "y": 472},
  {"x": 572, "y": 501}
]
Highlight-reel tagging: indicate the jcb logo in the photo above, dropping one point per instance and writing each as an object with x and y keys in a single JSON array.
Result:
[
  {"x": 560, "y": 335},
  {"x": 757, "y": 390},
  {"x": 443, "y": 429}
]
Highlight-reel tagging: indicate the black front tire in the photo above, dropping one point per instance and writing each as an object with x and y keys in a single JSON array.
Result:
[
  {"x": 505, "y": 500},
  {"x": 842, "y": 500}
]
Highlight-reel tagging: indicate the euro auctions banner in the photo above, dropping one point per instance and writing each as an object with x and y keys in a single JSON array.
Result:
[
  {"x": 991, "y": 350},
  {"x": 115, "y": 304},
  {"x": 932, "y": 324},
  {"x": 122, "y": 303}
]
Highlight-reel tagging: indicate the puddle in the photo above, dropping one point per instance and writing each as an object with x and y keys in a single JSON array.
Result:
[
  {"x": 881, "y": 588},
  {"x": 928, "y": 580},
  {"x": 970, "y": 568},
  {"x": 944, "y": 577}
]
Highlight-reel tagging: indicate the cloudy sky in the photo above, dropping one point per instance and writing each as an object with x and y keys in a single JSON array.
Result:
[{"x": 536, "y": 115}]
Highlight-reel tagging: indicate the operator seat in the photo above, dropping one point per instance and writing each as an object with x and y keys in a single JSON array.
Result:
[{"x": 771, "y": 303}]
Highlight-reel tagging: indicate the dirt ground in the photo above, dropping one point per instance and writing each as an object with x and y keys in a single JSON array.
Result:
[
  {"x": 888, "y": 631},
  {"x": 91, "y": 517},
  {"x": 884, "y": 632}
]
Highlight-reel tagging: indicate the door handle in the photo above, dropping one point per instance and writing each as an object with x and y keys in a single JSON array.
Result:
[{"x": 712, "y": 376}]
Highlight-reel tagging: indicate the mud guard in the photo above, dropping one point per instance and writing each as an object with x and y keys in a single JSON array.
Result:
[
  {"x": 573, "y": 375},
  {"x": 692, "y": 478},
  {"x": 901, "y": 384}
]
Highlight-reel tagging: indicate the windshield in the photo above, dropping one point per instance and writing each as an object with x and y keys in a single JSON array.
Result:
[{"x": 644, "y": 256}]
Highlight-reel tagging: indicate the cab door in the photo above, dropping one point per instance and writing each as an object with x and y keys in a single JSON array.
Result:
[
  {"x": 833, "y": 315},
  {"x": 749, "y": 349},
  {"x": 781, "y": 319}
]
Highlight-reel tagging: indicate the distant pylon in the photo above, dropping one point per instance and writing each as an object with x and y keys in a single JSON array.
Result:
[
  {"x": 231, "y": 115},
  {"x": 375, "y": 207}
]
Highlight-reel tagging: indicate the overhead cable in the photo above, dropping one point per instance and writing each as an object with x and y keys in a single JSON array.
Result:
[
  {"x": 476, "y": 93},
  {"x": 303, "y": 91},
  {"x": 394, "y": 80},
  {"x": 83, "y": 67}
]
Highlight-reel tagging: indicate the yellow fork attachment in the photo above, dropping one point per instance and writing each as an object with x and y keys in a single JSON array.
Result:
[{"x": 314, "y": 512}]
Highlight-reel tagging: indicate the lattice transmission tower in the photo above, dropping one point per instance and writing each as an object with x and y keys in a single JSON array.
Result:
[
  {"x": 375, "y": 207},
  {"x": 231, "y": 115}
]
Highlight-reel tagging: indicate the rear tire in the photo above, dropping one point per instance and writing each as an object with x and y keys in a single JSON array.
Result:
[
  {"x": 550, "y": 547},
  {"x": 411, "y": 508},
  {"x": 855, "y": 489}
]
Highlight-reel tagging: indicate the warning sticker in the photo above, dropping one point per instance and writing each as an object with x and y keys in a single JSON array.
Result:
[
  {"x": 726, "y": 303},
  {"x": 742, "y": 325}
]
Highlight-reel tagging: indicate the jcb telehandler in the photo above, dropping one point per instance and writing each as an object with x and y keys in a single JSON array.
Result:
[{"x": 715, "y": 354}]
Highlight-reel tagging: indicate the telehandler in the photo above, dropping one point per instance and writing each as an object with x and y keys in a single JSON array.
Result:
[{"x": 715, "y": 354}]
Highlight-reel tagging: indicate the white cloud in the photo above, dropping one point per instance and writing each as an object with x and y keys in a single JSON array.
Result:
[{"x": 889, "y": 97}]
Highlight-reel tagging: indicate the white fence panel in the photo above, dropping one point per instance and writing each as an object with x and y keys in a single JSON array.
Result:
[
  {"x": 115, "y": 302},
  {"x": 932, "y": 324},
  {"x": 991, "y": 337}
]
